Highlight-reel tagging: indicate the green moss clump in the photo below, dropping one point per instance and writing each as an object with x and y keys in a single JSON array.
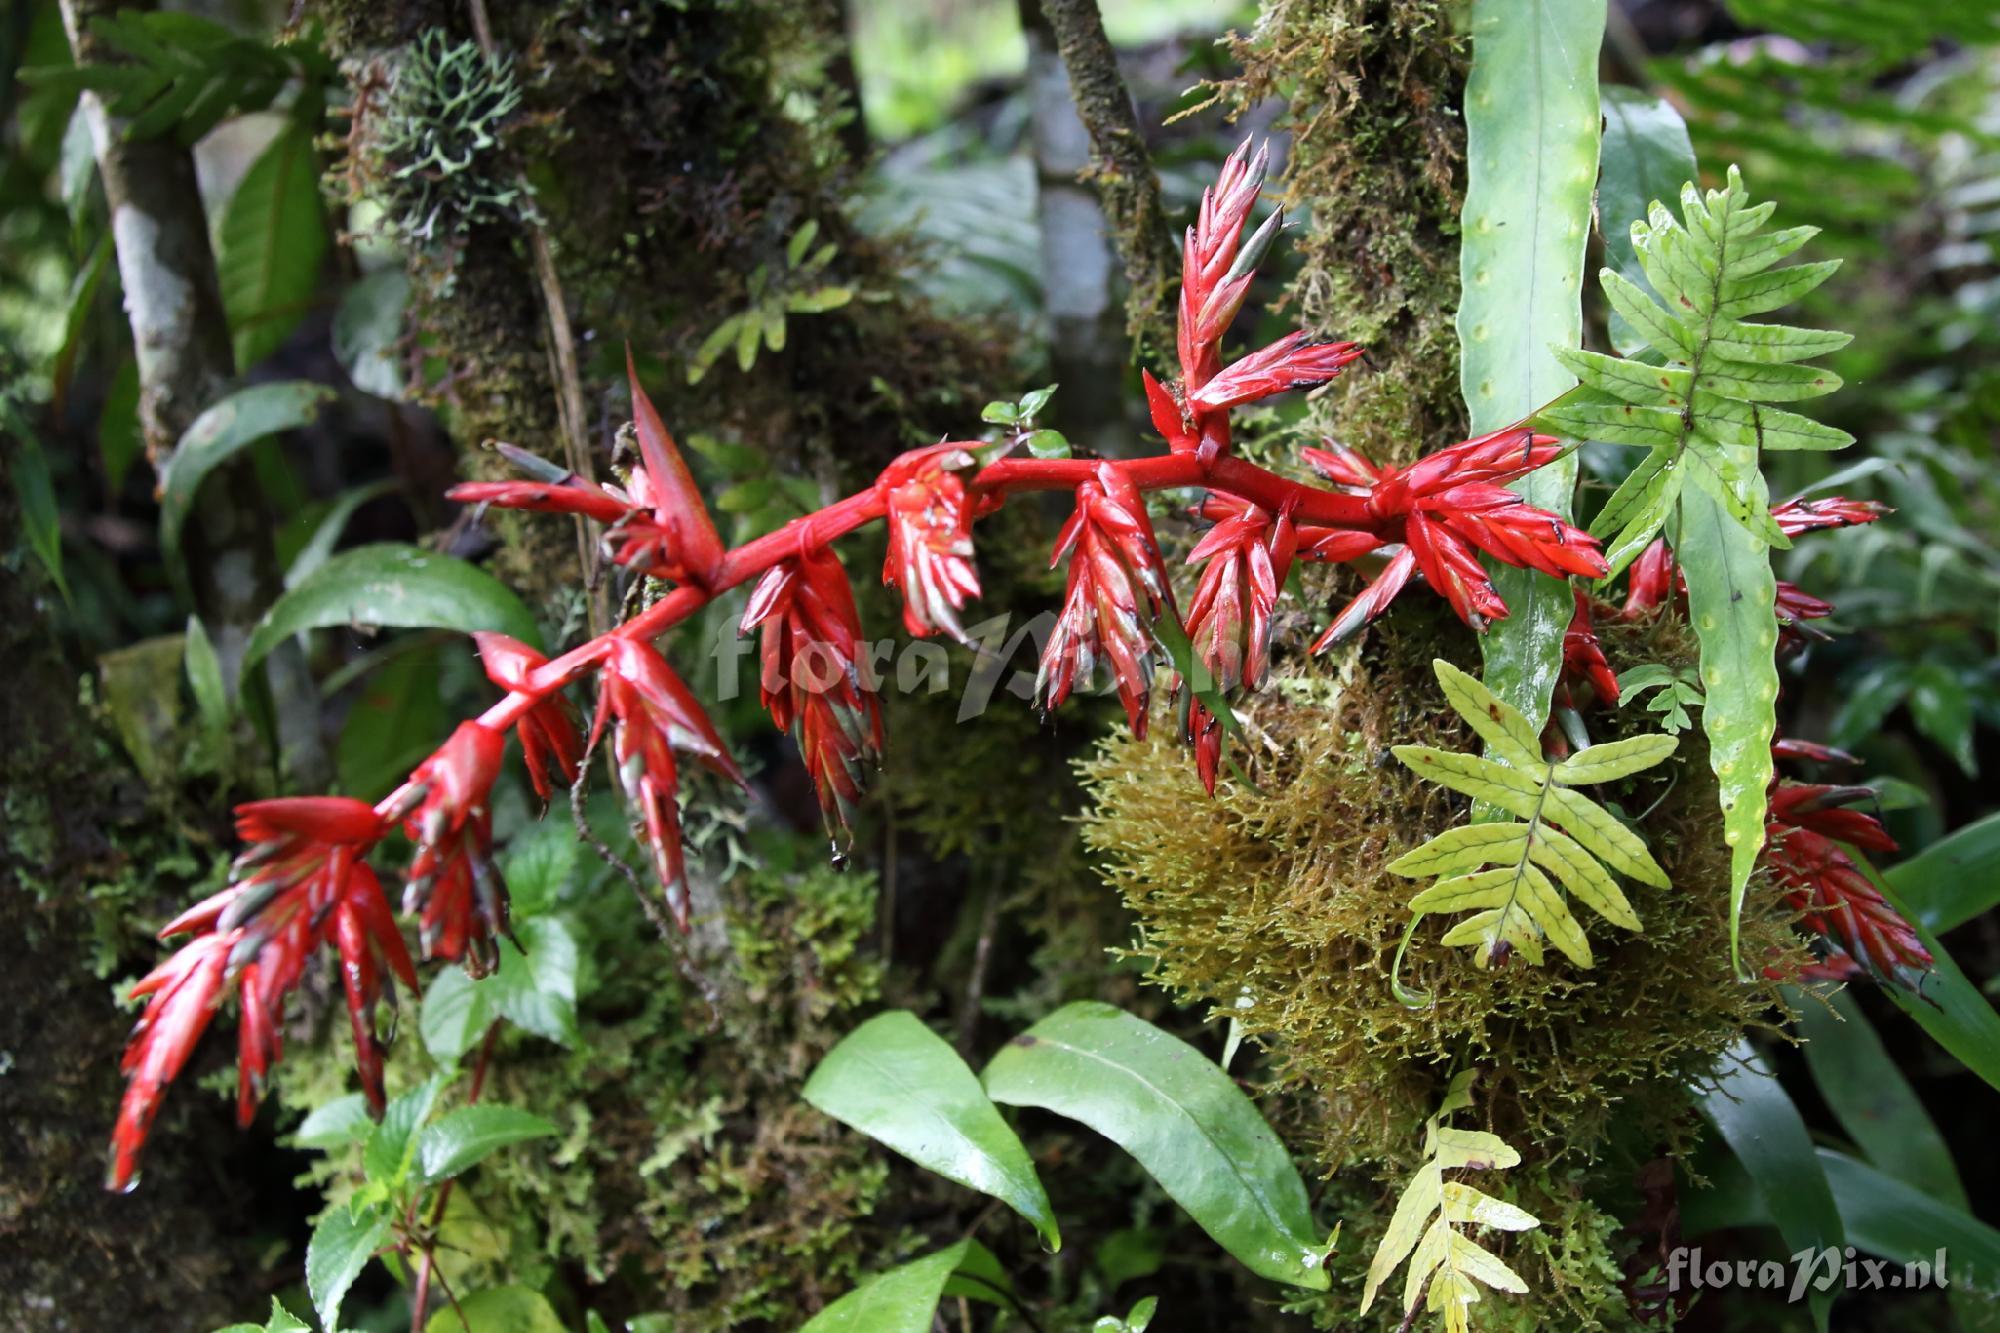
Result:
[{"x": 1371, "y": 89}]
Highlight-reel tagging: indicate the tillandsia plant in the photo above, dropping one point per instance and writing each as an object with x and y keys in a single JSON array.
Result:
[{"x": 305, "y": 882}]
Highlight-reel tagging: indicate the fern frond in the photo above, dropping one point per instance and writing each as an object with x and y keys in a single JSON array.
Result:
[
  {"x": 1447, "y": 1267},
  {"x": 1518, "y": 877}
]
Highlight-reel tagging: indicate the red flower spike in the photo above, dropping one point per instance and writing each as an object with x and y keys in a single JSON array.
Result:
[
  {"x": 1295, "y": 361},
  {"x": 811, "y": 679},
  {"x": 656, "y": 715},
  {"x": 692, "y": 546},
  {"x": 1842, "y": 907},
  {"x": 183, "y": 990},
  {"x": 1583, "y": 657},
  {"x": 550, "y": 740},
  {"x": 1448, "y": 505},
  {"x": 1823, "y": 809},
  {"x": 1168, "y": 416},
  {"x": 366, "y": 936},
  {"x": 1791, "y": 748},
  {"x": 1802, "y": 515},
  {"x": 454, "y": 887},
  {"x": 1653, "y": 579},
  {"x": 1117, "y": 587},
  {"x": 930, "y": 538},
  {"x": 1210, "y": 281},
  {"x": 1248, "y": 555}
]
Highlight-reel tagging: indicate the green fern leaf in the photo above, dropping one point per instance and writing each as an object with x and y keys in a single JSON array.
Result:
[{"x": 1515, "y": 876}]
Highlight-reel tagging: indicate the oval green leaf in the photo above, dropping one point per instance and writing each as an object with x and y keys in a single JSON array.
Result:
[
  {"x": 219, "y": 434},
  {"x": 898, "y": 1082},
  {"x": 400, "y": 586},
  {"x": 902, "y": 1300},
  {"x": 498, "y": 1310},
  {"x": 1186, "y": 1122}
]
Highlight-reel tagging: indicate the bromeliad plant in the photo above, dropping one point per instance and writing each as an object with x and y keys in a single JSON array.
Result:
[{"x": 304, "y": 882}]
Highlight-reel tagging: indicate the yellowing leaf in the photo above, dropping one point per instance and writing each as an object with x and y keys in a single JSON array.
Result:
[
  {"x": 1497, "y": 723},
  {"x": 1614, "y": 759}
]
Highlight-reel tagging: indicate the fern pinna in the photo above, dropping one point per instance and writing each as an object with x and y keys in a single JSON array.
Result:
[{"x": 303, "y": 883}]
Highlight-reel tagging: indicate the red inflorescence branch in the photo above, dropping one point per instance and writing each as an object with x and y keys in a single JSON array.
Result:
[{"x": 304, "y": 883}]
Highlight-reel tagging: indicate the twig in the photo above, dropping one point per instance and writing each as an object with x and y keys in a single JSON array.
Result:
[{"x": 420, "y": 1296}]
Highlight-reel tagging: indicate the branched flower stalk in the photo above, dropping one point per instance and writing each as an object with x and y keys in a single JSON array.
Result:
[{"x": 304, "y": 881}]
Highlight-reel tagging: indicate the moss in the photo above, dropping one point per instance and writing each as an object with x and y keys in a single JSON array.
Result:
[{"x": 1371, "y": 88}]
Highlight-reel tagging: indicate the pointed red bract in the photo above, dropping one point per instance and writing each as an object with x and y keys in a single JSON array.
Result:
[
  {"x": 1117, "y": 586},
  {"x": 655, "y": 715},
  {"x": 1835, "y": 511},
  {"x": 1449, "y": 505},
  {"x": 930, "y": 538},
  {"x": 1248, "y": 554},
  {"x": 453, "y": 886},
  {"x": 1584, "y": 664},
  {"x": 182, "y": 993},
  {"x": 1840, "y": 905},
  {"x": 1296, "y": 361},
  {"x": 691, "y": 546},
  {"x": 811, "y": 678},
  {"x": 551, "y": 742}
]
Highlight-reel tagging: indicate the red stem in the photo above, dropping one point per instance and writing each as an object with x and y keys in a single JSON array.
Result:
[{"x": 1008, "y": 476}]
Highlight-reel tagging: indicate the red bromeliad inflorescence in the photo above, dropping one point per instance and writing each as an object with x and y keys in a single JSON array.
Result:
[{"x": 303, "y": 882}]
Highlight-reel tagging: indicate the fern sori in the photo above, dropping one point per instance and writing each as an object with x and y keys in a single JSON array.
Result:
[
  {"x": 1502, "y": 871},
  {"x": 1699, "y": 404},
  {"x": 1447, "y": 1267}
]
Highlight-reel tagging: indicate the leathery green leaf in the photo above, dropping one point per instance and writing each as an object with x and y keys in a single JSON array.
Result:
[
  {"x": 1184, "y": 1120},
  {"x": 902, "y": 1300},
  {"x": 1731, "y": 593},
  {"x": 1530, "y": 179},
  {"x": 218, "y": 434},
  {"x": 898, "y": 1082}
]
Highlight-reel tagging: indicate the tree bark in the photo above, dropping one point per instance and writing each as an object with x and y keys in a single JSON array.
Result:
[{"x": 1121, "y": 169}]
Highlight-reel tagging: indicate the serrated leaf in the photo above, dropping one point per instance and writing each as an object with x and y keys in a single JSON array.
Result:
[
  {"x": 498, "y": 1310},
  {"x": 270, "y": 245},
  {"x": 393, "y": 1139},
  {"x": 1185, "y": 1121},
  {"x": 467, "y": 1136},
  {"x": 336, "y": 1123},
  {"x": 392, "y": 585},
  {"x": 1614, "y": 759},
  {"x": 340, "y": 1248},
  {"x": 898, "y": 1082}
]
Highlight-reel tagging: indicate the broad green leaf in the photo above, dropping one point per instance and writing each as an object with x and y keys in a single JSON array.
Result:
[
  {"x": 1941, "y": 705},
  {"x": 1765, "y": 1132},
  {"x": 1769, "y": 1137},
  {"x": 1952, "y": 1009},
  {"x": 1646, "y": 156},
  {"x": 1731, "y": 592},
  {"x": 281, "y": 1321},
  {"x": 898, "y": 1082},
  {"x": 1523, "y": 230},
  {"x": 1184, "y": 1120},
  {"x": 333, "y": 1124},
  {"x": 1614, "y": 759},
  {"x": 393, "y": 585},
  {"x": 340, "y": 1248},
  {"x": 219, "y": 434},
  {"x": 395, "y": 718},
  {"x": 1872, "y": 1100},
  {"x": 498, "y": 1310},
  {"x": 535, "y": 986},
  {"x": 1885, "y": 1216},
  {"x": 271, "y": 244},
  {"x": 393, "y": 1139},
  {"x": 456, "y": 1011},
  {"x": 467, "y": 1136},
  {"x": 35, "y": 492},
  {"x": 368, "y": 332},
  {"x": 1954, "y": 879},
  {"x": 326, "y": 535},
  {"x": 902, "y": 1300}
]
